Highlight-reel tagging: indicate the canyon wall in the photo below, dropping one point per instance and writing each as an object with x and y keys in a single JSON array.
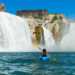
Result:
[{"x": 56, "y": 23}]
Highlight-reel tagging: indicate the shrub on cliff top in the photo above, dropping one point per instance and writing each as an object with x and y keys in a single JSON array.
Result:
[{"x": 54, "y": 18}]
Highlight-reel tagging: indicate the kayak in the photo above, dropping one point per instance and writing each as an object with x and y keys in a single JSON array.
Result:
[{"x": 45, "y": 58}]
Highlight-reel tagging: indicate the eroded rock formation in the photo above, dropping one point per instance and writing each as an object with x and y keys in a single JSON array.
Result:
[
  {"x": 55, "y": 23},
  {"x": 39, "y": 34},
  {"x": 2, "y": 7}
]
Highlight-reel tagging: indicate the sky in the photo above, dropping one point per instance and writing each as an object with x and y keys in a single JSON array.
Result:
[{"x": 66, "y": 7}]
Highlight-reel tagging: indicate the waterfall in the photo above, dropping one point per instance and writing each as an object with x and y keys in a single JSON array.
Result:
[
  {"x": 49, "y": 40},
  {"x": 14, "y": 33},
  {"x": 68, "y": 41},
  {"x": 15, "y": 36}
]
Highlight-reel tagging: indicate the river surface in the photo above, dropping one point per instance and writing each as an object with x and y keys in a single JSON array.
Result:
[{"x": 28, "y": 63}]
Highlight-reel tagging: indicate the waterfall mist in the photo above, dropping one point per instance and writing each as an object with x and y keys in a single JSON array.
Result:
[
  {"x": 14, "y": 33},
  {"x": 67, "y": 43},
  {"x": 49, "y": 40},
  {"x": 15, "y": 36}
]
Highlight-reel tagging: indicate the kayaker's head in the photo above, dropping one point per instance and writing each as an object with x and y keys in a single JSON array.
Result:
[{"x": 44, "y": 50}]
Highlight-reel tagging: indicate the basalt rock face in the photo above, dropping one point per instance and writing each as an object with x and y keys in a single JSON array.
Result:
[
  {"x": 32, "y": 13},
  {"x": 2, "y": 7}
]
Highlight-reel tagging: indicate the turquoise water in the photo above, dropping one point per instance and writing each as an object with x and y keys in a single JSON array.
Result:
[{"x": 29, "y": 64}]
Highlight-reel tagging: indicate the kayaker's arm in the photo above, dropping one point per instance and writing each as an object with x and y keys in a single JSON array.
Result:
[
  {"x": 40, "y": 48},
  {"x": 47, "y": 54},
  {"x": 41, "y": 52}
]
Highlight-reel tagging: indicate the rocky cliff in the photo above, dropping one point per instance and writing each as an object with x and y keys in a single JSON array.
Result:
[
  {"x": 2, "y": 7},
  {"x": 56, "y": 23},
  {"x": 34, "y": 13}
]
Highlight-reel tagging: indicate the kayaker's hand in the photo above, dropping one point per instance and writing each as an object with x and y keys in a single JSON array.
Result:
[
  {"x": 47, "y": 55},
  {"x": 41, "y": 52}
]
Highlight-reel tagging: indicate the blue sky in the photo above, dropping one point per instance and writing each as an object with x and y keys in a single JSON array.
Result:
[{"x": 66, "y": 7}]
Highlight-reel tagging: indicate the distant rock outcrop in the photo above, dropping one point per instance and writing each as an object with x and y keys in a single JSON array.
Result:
[
  {"x": 32, "y": 13},
  {"x": 2, "y": 7}
]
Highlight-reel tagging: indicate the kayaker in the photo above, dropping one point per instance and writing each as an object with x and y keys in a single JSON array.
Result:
[{"x": 44, "y": 53}]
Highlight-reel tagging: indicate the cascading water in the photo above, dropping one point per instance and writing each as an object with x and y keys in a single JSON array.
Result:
[
  {"x": 15, "y": 36},
  {"x": 49, "y": 40},
  {"x": 65, "y": 44},
  {"x": 14, "y": 33},
  {"x": 68, "y": 41}
]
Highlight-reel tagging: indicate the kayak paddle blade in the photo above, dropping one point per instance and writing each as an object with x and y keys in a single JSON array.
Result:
[{"x": 36, "y": 45}]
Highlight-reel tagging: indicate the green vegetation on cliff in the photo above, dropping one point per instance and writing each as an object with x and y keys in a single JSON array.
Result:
[{"x": 54, "y": 18}]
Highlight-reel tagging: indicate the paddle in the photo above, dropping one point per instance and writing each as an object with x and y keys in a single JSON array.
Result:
[
  {"x": 37, "y": 46},
  {"x": 41, "y": 49}
]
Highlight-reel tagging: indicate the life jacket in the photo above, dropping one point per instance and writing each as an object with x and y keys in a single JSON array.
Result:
[{"x": 44, "y": 54}]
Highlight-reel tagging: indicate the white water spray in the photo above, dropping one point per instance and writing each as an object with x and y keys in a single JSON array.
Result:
[
  {"x": 15, "y": 36},
  {"x": 68, "y": 41},
  {"x": 14, "y": 33},
  {"x": 49, "y": 40}
]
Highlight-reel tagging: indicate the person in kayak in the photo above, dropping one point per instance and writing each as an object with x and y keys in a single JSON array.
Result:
[{"x": 44, "y": 53}]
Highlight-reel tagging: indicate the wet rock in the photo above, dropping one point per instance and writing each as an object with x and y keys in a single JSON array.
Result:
[{"x": 39, "y": 34}]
